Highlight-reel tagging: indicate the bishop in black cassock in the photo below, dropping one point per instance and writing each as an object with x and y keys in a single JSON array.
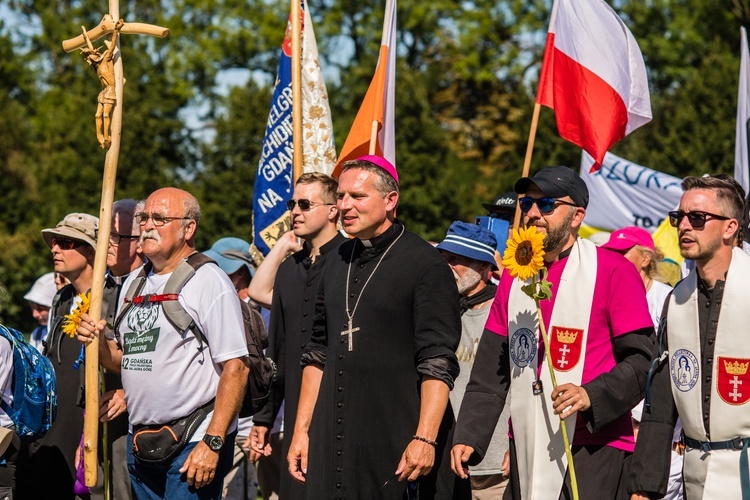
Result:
[
  {"x": 369, "y": 401},
  {"x": 398, "y": 339}
]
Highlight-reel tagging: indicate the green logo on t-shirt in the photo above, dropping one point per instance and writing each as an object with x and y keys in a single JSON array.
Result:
[{"x": 139, "y": 343}]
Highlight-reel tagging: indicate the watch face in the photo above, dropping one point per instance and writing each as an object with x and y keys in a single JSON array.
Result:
[{"x": 214, "y": 442}]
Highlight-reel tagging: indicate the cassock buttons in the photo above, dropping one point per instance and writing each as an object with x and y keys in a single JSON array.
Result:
[
  {"x": 338, "y": 485},
  {"x": 339, "y": 469},
  {"x": 341, "y": 388},
  {"x": 341, "y": 356},
  {"x": 309, "y": 283},
  {"x": 356, "y": 280},
  {"x": 340, "y": 405},
  {"x": 709, "y": 360},
  {"x": 339, "y": 420},
  {"x": 706, "y": 398},
  {"x": 361, "y": 266},
  {"x": 339, "y": 437},
  {"x": 708, "y": 379},
  {"x": 341, "y": 372},
  {"x": 351, "y": 295},
  {"x": 711, "y": 341}
]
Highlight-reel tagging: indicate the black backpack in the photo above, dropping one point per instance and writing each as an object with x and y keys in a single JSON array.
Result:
[{"x": 262, "y": 369}]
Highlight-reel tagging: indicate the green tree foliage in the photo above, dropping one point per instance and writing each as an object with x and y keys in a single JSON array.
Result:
[{"x": 466, "y": 81}]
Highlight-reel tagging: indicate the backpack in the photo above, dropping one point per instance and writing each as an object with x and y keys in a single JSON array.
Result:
[
  {"x": 34, "y": 388},
  {"x": 262, "y": 369}
]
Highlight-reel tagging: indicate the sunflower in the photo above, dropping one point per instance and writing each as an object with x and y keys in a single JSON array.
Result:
[
  {"x": 524, "y": 254},
  {"x": 72, "y": 320}
]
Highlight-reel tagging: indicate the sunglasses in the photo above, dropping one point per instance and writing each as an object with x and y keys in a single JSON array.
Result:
[
  {"x": 304, "y": 204},
  {"x": 545, "y": 205},
  {"x": 65, "y": 243},
  {"x": 159, "y": 220},
  {"x": 115, "y": 238},
  {"x": 696, "y": 219}
]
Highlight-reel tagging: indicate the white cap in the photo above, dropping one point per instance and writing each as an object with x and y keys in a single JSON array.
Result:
[{"x": 43, "y": 290}]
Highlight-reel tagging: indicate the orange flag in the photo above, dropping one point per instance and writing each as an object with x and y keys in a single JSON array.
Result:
[{"x": 377, "y": 109}]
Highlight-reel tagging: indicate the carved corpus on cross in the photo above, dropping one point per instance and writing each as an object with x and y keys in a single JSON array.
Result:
[{"x": 106, "y": 27}]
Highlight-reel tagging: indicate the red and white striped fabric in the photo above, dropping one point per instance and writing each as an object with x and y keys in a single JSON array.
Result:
[{"x": 593, "y": 76}]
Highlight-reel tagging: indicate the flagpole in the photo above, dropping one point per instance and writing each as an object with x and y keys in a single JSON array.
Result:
[
  {"x": 374, "y": 137},
  {"x": 534, "y": 122},
  {"x": 527, "y": 160},
  {"x": 296, "y": 89}
]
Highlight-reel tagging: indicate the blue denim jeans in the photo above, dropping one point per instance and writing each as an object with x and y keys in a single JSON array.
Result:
[{"x": 150, "y": 481}]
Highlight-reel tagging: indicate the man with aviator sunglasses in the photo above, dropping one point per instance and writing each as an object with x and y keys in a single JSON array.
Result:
[
  {"x": 703, "y": 328},
  {"x": 288, "y": 286},
  {"x": 601, "y": 337}
]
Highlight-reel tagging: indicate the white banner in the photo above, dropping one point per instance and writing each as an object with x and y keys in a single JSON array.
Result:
[{"x": 625, "y": 194}]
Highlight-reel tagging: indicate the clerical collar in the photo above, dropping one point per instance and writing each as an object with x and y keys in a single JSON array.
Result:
[
  {"x": 386, "y": 237},
  {"x": 334, "y": 242}
]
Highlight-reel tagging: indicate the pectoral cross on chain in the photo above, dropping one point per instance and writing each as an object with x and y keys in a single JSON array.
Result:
[{"x": 349, "y": 331}]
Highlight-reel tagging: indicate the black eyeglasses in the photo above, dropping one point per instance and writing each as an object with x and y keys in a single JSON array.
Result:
[
  {"x": 304, "y": 204},
  {"x": 65, "y": 243},
  {"x": 545, "y": 205},
  {"x": 696, "y": 219},
  {"x": 115, "y": 238},
  {"x": 159, "y": 220}
]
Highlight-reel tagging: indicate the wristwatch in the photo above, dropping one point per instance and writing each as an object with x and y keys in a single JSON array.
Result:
[{"x": 214, "y": 442}]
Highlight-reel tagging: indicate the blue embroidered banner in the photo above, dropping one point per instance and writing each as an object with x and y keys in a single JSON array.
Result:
[{"x": 273, "y": 182}]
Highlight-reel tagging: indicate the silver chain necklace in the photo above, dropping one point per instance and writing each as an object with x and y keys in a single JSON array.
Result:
[{"x": 350, "y": 330}]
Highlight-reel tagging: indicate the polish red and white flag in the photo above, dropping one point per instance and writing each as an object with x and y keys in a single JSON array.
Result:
[{"x": 593, "y": 76}]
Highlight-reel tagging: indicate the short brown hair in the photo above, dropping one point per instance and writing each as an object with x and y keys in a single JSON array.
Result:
[
  {"x": 329, "y": 184},
  {"x": 729, "y": 193}
]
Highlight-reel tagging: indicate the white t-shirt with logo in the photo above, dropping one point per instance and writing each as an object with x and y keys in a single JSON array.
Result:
[{"x": 164, "y": 375}]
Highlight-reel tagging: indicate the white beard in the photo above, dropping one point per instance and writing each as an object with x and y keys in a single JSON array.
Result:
[{"x": 468, "y": 281}]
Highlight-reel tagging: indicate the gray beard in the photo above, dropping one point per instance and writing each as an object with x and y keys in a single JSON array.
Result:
[{"x": 468, "y": 281}]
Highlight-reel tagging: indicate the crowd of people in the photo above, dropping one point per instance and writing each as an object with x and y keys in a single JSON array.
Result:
[{"x": 405, "y": 369}]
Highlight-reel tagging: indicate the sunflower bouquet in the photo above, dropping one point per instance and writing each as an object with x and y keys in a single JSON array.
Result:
[{"x": 524, "y": 259}]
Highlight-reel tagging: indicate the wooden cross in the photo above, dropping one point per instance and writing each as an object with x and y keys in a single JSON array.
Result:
[
  {"x": 106, "y": 26},
  {"x": 350, "y": 331}
]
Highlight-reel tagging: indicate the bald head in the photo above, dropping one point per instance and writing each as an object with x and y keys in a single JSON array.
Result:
[{"x": 172, "y": 236}]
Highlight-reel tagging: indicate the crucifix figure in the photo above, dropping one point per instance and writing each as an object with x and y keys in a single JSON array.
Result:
[
  {"x": 110, "y": 100},
  {"x": 105, "y": 68}
]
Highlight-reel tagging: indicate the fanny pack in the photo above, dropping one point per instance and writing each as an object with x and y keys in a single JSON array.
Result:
[{"x": 162, "y": 443}]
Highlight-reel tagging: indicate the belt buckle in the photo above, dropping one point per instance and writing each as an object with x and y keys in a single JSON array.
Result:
[{"x": 738, "y": 443}]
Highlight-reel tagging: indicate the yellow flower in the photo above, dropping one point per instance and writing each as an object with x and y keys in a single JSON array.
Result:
[
  {"x": 523, "y": 256},
  {"x": 72, "y": 320}
]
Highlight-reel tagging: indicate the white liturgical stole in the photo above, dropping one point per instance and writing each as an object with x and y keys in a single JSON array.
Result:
[
  {"x": 714, "y": 474},
  {"x": 537, "y": 430}
]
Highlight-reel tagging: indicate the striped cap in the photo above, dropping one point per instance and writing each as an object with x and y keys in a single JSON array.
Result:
[{"x": 470, "y": 241}]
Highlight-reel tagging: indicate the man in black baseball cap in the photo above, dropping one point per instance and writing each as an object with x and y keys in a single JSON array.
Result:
[
  {"x": 504, "y": 206},
  {"x": 600, "y": 314},
  {"x": 557, "y": 182}
]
